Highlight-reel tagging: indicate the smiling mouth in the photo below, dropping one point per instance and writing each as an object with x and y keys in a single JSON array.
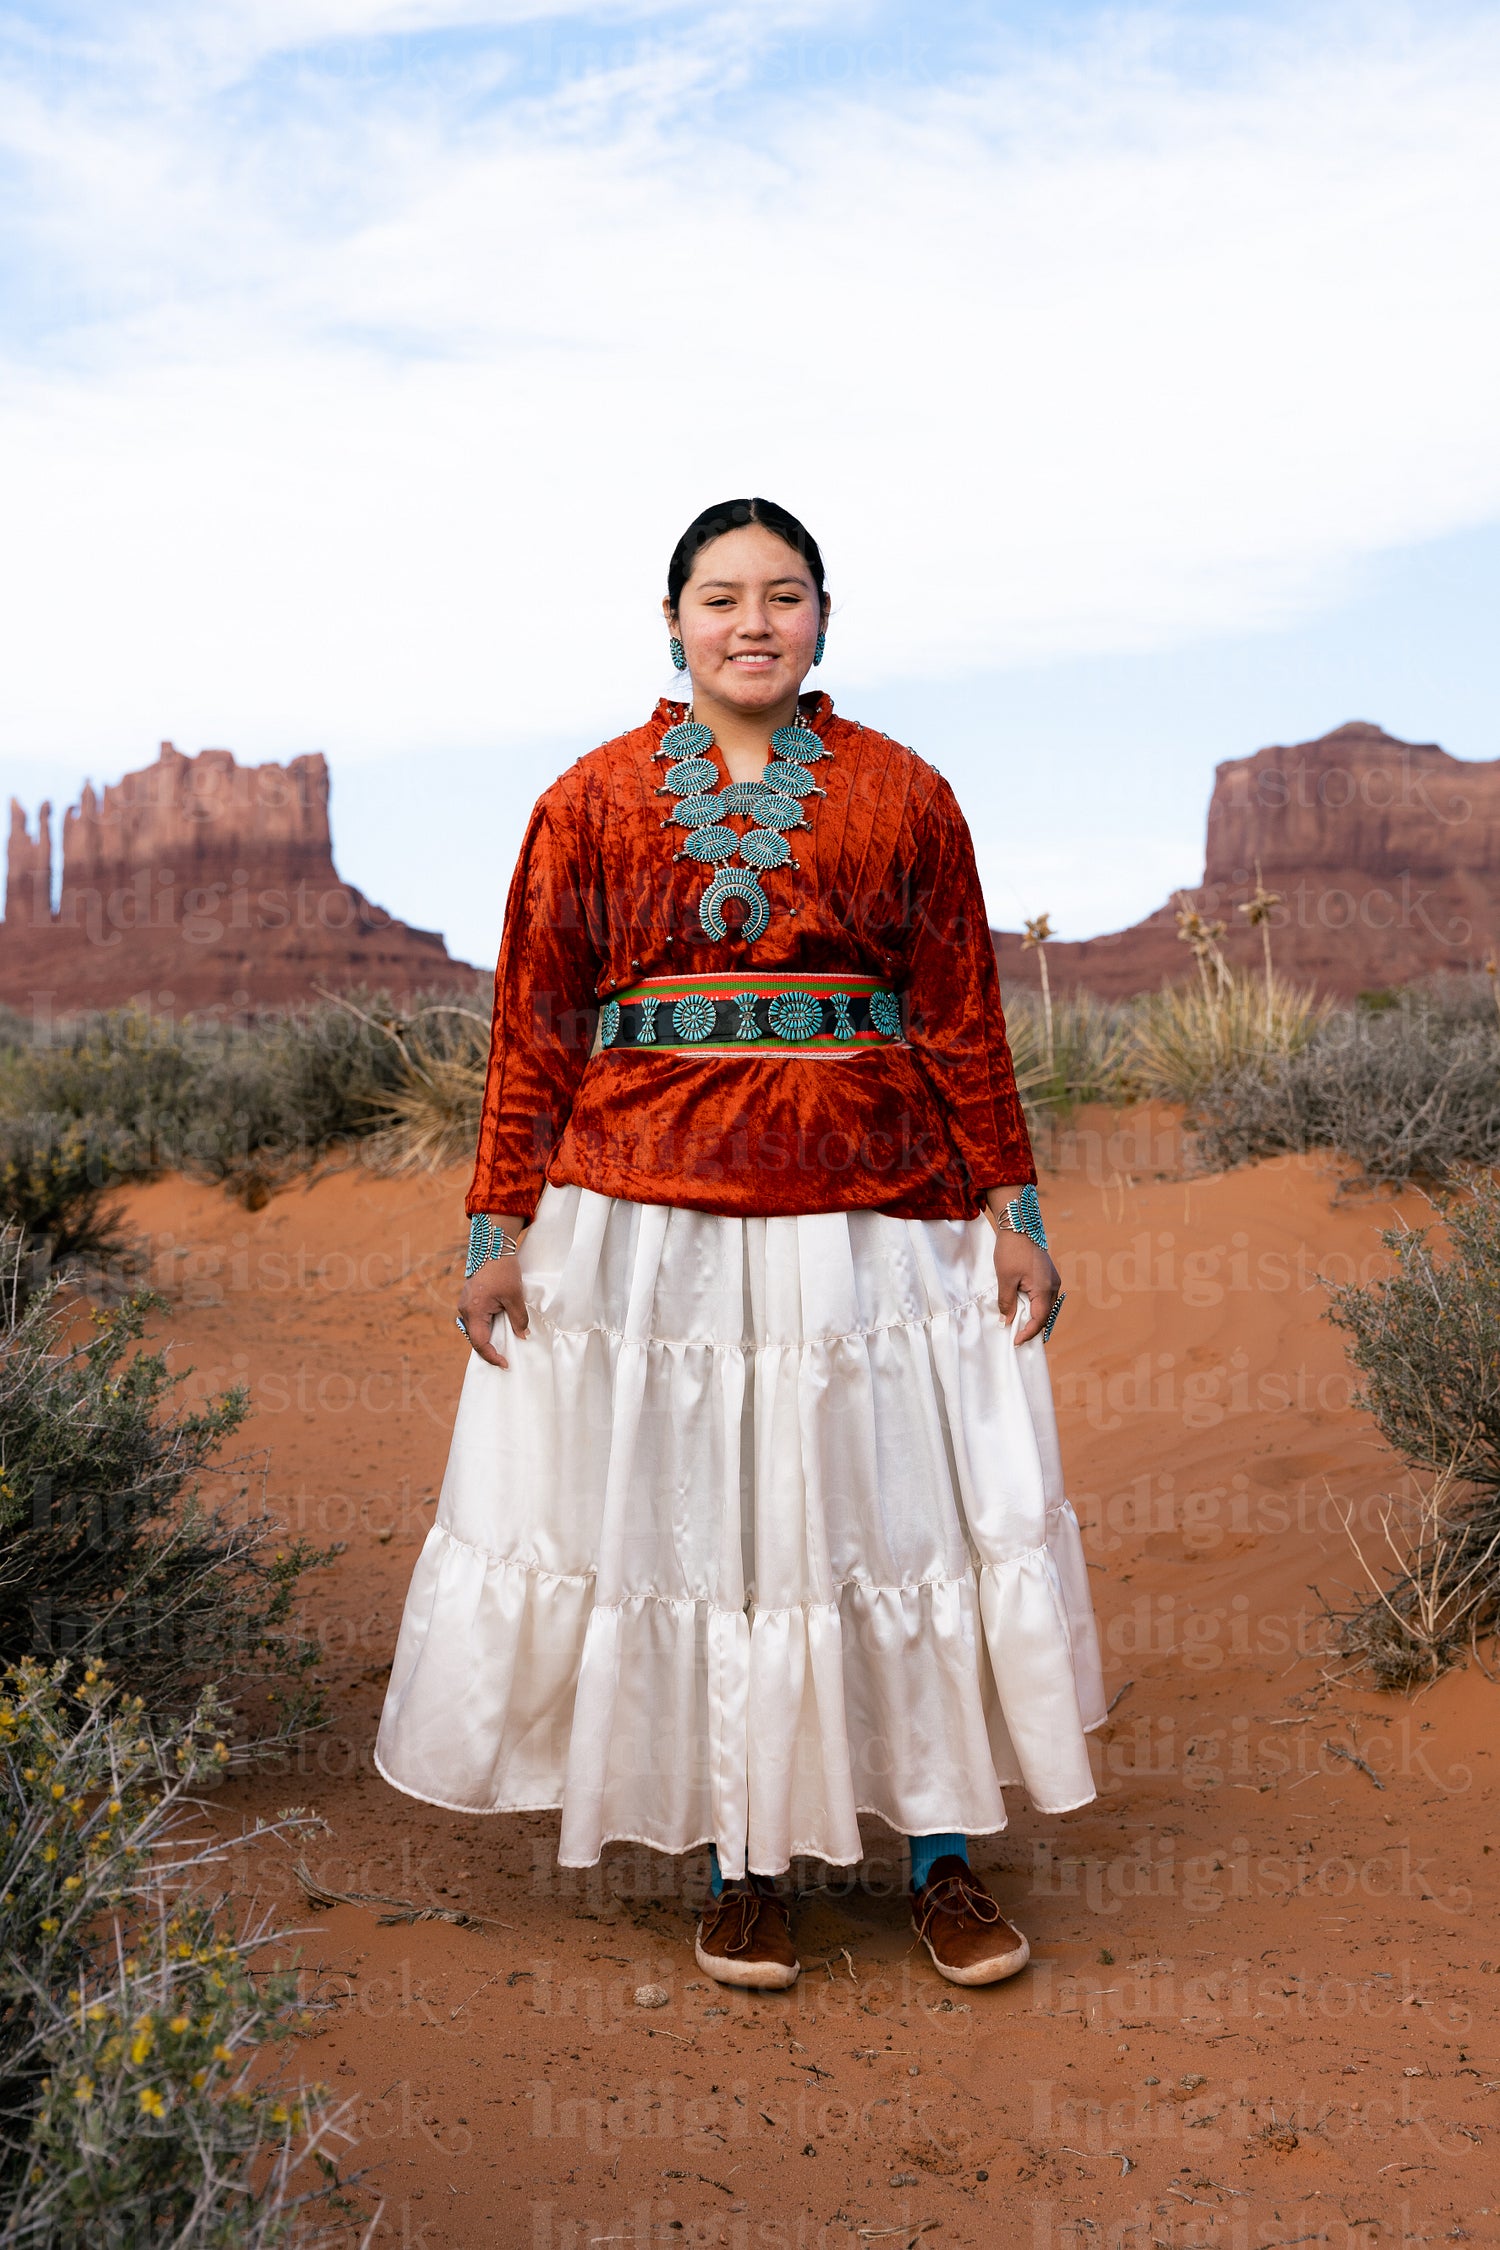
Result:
[{"x": 755, "y": 656}]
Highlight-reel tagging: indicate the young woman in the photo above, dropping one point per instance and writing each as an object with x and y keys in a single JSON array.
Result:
[{"x": 753, "y": 1519}]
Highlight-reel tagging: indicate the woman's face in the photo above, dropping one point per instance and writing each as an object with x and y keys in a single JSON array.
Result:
[{"x": 749, "y": 619}]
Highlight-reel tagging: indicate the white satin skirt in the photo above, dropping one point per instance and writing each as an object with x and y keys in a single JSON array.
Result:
[{"x": 763, "y": 1528}]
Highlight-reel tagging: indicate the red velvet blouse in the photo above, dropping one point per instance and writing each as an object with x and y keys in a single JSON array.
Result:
[{"x": 886, "y": 887}]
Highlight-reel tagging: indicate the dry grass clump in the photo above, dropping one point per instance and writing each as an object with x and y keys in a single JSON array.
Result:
[
  {"x": 1426, "y": 1340},
  {"x": 1432, "y": 1587},
  {"x": 135, "y": 2105},
  {"x": 1088, "y": 1042},
  {"x": 428, "y": 1114},
  {"x": 1189, "y": 1036}
]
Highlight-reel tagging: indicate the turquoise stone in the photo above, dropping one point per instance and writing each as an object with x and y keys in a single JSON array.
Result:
[
  {"x": 792, "y": 780},
  {"x": 742, "y": 796},
  {"x": 776, "y": 811},
  {"x": 609, "y": 1023},
  {"x": 689, "y": 775},
  {"x": 693, "y": 1016},
  {"x": 686, "y": 739},
  {"x": 799, "y": 743},
  {"x": 711, "y": 843},
  {"x": 697, "y": 812},
  {"x": 794, "y": 1015},
  {"x": 885, "y": 1014},
  {"x": 762, "y": 847}
]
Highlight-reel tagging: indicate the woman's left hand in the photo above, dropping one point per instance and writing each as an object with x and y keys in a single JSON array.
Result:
[{"x": 1021, "y": 1264}]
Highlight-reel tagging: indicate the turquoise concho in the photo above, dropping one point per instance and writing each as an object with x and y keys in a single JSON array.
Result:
[
  {"x": 688, "y": 739},
  {"x": 742, "y": 796},
  {"x": 711, "y": 843},
  {"x": 763, "y": 847},
  {"x": 794, "y": 1015},
  {"x": 689, "y": 775},
  {"x": 798, "y": 742},
  {"x": 693, "y": 1016},
  {"x": 792, "y": 780},
  {"x": 697, "y": 812},
  {"x": 609, "y": 1023},
  {"x": 885, "y": 1014},
  {"x": 776, "y": 811}
]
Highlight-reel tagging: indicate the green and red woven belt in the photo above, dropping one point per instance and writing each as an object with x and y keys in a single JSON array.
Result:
[{"x": 752, "y": 1014}]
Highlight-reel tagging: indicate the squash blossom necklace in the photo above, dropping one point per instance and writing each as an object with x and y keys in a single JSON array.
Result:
[{"x": 773, "y": 806}]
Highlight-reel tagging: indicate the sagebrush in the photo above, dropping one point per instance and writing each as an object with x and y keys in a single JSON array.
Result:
[
  {"x": 1425, "y": 1341},
  {"x": 135, "y": 2105},
  {"x": 107, "y": 1547},
  {"x": 251, "y": 1104},
  {"x": 1405, "y": 1092}
]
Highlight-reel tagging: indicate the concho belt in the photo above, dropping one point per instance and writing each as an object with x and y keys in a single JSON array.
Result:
[{"x": 752, "y": 1014}]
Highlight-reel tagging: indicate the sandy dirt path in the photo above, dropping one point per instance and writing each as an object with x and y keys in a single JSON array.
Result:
[{"x": 1262, "y": 2007}]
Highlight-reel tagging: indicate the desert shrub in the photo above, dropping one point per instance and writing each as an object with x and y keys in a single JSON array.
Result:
[
  {"x": 1426, "y": 1342},
  {"x": 250, "y": 1104},
  {"x": 1404, "y": 1093},
  {"x": 127, "y": 1073},
  {"x": 55, "y": 1182},
  {"x": 1453, "y": 996},
  {"x": 1426, "y": 1339},
  {"x": 106, "y": 1547},
  {"x": 135, "y": 2103},
  {"x": 1188, "y": 1036}
]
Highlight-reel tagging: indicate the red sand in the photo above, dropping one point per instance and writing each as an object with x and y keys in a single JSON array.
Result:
[{"x": 1262, "y": 2006}]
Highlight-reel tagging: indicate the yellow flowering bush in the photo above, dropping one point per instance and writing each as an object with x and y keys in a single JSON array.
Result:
[{"x": 133, "y": 2022}]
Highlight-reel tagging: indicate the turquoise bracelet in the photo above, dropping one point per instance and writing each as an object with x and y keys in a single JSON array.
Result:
[
  {"x": 1023, "y": 1215},
  {"x": 487, "y": 1240}
]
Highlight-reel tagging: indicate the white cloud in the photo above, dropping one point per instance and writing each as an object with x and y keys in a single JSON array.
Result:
[{"x": 378, "y": 408}]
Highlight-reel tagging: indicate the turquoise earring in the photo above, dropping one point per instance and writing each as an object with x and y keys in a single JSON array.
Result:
[
  {"x": 679, "y": 653},
  {"x": 822, "y": 643}
]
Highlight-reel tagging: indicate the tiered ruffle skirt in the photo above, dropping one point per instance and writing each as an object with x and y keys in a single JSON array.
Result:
[{"x": 764, "y": 1527}]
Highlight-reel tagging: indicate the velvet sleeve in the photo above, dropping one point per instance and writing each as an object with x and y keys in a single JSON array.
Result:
[
  {"x": 545, "y": 1012},
  {"x": 955, "y": 1023}
]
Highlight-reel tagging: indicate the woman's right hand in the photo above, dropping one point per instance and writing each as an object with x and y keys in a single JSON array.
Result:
[{"x": 494, "y": 1289}]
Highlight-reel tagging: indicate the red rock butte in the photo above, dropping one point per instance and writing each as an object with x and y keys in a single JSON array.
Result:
[
  {"x": 199, "y": 884},
  {"x": 1386, "y": 856}
]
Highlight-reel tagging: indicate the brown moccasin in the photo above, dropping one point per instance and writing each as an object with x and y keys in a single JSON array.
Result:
[
  {"x": 963, "y": 1928},
  {"x": 745, "y": 1937}
]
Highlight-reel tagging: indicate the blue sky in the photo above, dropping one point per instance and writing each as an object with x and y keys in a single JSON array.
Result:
[{"x": 359, "y": 360}]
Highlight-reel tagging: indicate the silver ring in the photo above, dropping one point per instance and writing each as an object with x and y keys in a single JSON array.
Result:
[{"x": 458, "y": 1322}]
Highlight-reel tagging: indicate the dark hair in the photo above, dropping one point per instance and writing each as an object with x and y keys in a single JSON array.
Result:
[{"x": 731, "y": 515}]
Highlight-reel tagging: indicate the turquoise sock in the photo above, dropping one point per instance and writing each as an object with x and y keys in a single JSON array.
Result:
[
  {"x": 925, "y": 1849},
  {"x": 715, "y": 1879}
]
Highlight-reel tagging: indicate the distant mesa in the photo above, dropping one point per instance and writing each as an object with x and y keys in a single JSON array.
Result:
[
  {"x": 1386, "y": 855},
  {"x": 198, "y": 885},
  {"x": 204, "y": 885}
]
